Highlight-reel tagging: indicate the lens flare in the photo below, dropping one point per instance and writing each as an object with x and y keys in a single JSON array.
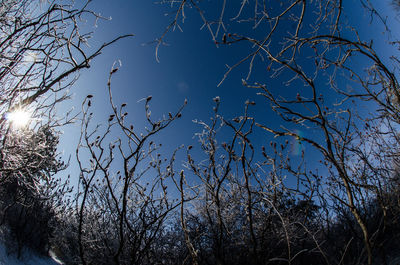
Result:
[
  {"x": 19, "y": 118},
  {"x": 297, "y": 145}
]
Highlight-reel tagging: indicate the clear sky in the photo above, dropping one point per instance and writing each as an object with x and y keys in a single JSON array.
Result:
[{"x": 190, "y": 67}]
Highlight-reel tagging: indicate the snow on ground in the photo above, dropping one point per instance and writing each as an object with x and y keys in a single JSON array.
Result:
[{"x": 29, "y": 258}]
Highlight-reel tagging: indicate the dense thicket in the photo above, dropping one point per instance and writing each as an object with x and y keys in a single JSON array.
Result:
[
  {"x": 240, "y": 202},
  {"x": 28, "y": 193},
  {"x": 233, "y": 201},
  {"x": 41, "y": 51}
]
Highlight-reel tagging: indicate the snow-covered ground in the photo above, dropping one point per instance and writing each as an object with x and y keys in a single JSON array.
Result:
[{"x": 29, "y": 258}]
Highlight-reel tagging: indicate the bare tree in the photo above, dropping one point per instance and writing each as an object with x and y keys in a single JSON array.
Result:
[
  {"x": 122, "y": 188},
  {"x": 242, "y": 211},
  {"x": 347, "y": 113},
  {"x": 42, "y": 49}
]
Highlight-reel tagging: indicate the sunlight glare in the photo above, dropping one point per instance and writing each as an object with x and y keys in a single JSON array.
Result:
[{"x": 19, "y": 118}]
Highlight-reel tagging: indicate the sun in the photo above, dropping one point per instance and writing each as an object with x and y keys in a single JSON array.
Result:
[{"x": 19, "y": 118}]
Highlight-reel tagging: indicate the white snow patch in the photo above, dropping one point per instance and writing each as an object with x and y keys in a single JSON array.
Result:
[{"x": 28, "y": 258}]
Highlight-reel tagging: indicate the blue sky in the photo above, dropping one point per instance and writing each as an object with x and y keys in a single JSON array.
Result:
[{"x": 190, "y": 67}]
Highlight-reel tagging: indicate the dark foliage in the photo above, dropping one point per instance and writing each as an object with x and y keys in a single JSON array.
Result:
[{"x": 27, "y": 191}]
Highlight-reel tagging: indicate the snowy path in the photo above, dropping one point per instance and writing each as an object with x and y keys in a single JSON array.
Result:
[{"x": 29, "y": 259}]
